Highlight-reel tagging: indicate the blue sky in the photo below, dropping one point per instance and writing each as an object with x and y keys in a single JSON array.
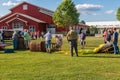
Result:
[{"x": 90, "y": 10}]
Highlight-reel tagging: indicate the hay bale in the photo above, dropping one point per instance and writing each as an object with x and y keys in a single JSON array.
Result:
[
  {"x": 35, "y": 46},
  {"x": 43, "y": 47}
]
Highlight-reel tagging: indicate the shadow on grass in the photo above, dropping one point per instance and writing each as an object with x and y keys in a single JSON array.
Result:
[
  {"x": 7, "y": 52},
  {"x": 10, "y": 52},
  {"x": 21, "y": 50},
  {"x": 114, "y": 56}
]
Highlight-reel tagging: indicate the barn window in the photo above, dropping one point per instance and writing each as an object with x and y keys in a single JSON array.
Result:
[
  {"x": 25, "y": 7},
  {"x": 4, "y": 27},
  {"x": 17, "y": 26},
  {"x": 32, "y": 28}
]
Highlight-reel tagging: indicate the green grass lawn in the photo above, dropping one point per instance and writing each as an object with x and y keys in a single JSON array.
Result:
[{"x": 26, "y": 65}]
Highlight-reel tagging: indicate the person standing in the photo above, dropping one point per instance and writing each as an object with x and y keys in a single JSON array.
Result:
[
  {"x": 15, "y": 40},
  {"x": 72, "y": 37},
  {"x": 58, "y": 42},
  {"x": 29, "y": 39},
  {"x": 108, "y": 37},
  {"x": 115, "y": 41},
  {"x": 82, "y": 39},
  {"x": 104, "y": 35},
  {"x": 48, "y": 37},
  {"x": 35, "y": 34},
  {"x": 26, "y": 39},
  {"x": 42, "y": 34},
  {"x": 1, "y": 37}
]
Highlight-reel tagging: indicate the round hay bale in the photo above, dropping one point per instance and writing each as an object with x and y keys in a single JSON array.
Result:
[
  {"x": 21, "y": 43},
  {"x": 43, "y": 48},
  {"x": 35, "y": 46},
  {"x": 32, "y": 46}
]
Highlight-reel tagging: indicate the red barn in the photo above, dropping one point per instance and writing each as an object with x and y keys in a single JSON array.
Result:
[{"x": 28, "y": 16}]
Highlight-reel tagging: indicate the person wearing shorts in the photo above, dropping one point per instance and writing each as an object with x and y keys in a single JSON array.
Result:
[{"x": 48, "y": 38}]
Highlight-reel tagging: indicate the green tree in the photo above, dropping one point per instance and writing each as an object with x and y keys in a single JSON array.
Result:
[
  {"x": 94, "y": 29},
  {"x": 83, "y": 22},
  {"x": 66, "y": 14},
  {"x": 88, "y": 31},
  {"x": 118, "y": 14}
]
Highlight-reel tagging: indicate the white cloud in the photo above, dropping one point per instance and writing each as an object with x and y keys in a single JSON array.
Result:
[
  {"x": 88, "y": 9},
  {"x": 115, "y": 12},
  {"x": 9, "y": 3},
  {"x": 21, "y": 0},
  {"x": 1, "y": 15},
  {"x": 110, "y": 12}
]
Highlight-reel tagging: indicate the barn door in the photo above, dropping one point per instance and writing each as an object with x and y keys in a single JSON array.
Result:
[{"x": 51, "y": 28}]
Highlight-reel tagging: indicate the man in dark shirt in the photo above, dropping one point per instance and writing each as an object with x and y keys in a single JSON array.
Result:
[
  {"x": 115, "y": 41},
  {"x": 108, "y": 36}
]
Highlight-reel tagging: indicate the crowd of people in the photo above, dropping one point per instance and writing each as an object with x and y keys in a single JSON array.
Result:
[
  {"x": 27, "y": 36},
  {"x": 19, "y": 34},
  {"x": 48, "y": 38},
  {"x": 111, "y": 36},
  {"x": 72, "y": 38}
]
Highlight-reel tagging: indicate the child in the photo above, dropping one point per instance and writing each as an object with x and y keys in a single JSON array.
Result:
[{"x": 58, "y": 42}]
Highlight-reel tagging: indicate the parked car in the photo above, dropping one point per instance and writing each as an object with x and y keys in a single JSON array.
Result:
[{"x": 7, "y": 34}]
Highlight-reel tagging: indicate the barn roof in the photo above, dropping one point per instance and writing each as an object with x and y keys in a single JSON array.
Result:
[
  {"x": 32, "y": 5},
  {"x": 24, "y": 15}
]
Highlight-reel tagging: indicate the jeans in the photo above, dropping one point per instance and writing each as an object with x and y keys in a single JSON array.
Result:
[
  {"x": 48, "y": 44},
  {"x": 26, "y": 44},
  {"x": 116, "y": 49},
  {"x": 15, "y": 44},
  {"x": 82, "y": 43},
  {"x": 73, "y": 45}
]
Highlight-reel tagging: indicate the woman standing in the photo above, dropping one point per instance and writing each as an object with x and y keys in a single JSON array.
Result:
[{"x": 82, "y": 38}]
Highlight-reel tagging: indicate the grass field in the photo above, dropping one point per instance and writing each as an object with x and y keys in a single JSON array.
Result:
[{"x": 26, "y": 65}]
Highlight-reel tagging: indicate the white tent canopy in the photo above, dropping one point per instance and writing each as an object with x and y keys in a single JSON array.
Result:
[{"x": 105, "y": 24}]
